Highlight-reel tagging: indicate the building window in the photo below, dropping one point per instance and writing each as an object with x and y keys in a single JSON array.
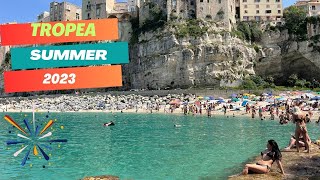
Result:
[
  {"x": 89, "y": 16},
  {"x": 267, "y": 0},
  {"x": 244, "y": 0},
  {"x": 268, "y": 11},
  {"x": 98, "y": 12},
  {"x": 208, "y": 1},
  {"x": 191, "y": 3},
  {"x": 279, "y": 6},
  {"x": 245, "y": 6},
  {"x": 77, "y": 16},
  {"x": 256, "y": 0},
  {"x": 257, "y": 11},
  {"x": 313, "y": 7},
  {"x": 257, "y": 18},
  {"x": 277, "y": 0},
  {"x": 257, "y": 6},
  {"x": 279, "y": 11},
  {"x": 219, "y": 1},
  {"x": 268, "y": 6},
  {"x": 201, "y": 0}
]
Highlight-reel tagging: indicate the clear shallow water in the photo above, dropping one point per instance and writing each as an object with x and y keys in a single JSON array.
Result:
[{"x": 143, "y": 146}]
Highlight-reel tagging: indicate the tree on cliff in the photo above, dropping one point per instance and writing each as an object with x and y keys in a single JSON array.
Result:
[{"x": 295, "y": 22}]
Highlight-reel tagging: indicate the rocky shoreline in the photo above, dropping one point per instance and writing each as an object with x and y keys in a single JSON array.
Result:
[
  {"x": 98, "y": 102},
  {"x": 302, "y": 166}
]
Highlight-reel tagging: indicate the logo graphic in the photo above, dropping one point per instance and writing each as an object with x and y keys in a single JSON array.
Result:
[{"x": 32, "y": 140}]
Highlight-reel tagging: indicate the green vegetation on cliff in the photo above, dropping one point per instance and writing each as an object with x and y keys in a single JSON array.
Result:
[
  {"x": 249, "y": 31},
  {"x": 156, "y": 20}
]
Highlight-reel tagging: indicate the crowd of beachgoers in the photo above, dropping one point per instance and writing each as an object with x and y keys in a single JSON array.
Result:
[
  {"x": 297, "y": 107},
  {"x": 264, "y": 106}
]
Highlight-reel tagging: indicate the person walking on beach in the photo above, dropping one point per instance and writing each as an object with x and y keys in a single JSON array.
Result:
[{"x": 224, "y": 109}]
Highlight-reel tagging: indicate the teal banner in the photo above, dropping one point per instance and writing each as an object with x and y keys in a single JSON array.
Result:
[{"x": 69, "y": 55}]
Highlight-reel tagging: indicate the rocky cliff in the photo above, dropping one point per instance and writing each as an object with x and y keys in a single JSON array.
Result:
[
  {"x": 163, "y": 59},
  {"x": 282, "y": 57}
]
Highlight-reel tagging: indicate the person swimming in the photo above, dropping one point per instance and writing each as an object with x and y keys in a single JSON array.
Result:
[{"x": 111, "y": 123}]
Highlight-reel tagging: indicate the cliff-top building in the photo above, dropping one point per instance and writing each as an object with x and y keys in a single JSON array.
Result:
[
  {"x": 64, "y": 11},
  {"x": 312, "y": 8},
  {"x": 261, "y": 10},
  {"x": 43, "y": 17},
  {"x": 98, "y": 9},
  {"x": 215, "y": 10}
]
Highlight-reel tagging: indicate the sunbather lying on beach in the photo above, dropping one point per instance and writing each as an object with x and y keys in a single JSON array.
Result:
[
  {"x": 292, "y": 143},
  {"x": 269, "y": 156}
]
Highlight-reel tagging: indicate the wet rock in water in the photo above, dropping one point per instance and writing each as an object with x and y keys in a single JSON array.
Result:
[{"x": 104, "y": 177}]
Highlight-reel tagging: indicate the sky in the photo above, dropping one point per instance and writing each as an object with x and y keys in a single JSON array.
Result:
[{"x": 23, "y": 11}]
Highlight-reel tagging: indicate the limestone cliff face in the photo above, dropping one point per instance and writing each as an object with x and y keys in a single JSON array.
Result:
[
  {"x": 161, "y": 60},
  {"x": 281, "y": 57}
]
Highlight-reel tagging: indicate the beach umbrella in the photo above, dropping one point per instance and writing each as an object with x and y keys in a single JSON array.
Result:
[
  {"x": 270, "y": 100},
  {"x": 264, "y": 94},
  {"x": 220, "y": 98},
  {"x": 206, "y": 98},
  {"x": 244, "y": 103},
  {"x": 246, "y": 94},
  {"x": 221, "y": 101},
  {"x": 316, "y": 98},
  {"x": 245, "y": 97},
  {"x": 211, "y": 98},
  {"x": 235, "y": 99},
  {"x": 282, "y": 99},
  {"x": 200, "y": 97},
  {"x": 174, "y": 102},
  {"x": 233, "y": 95}
]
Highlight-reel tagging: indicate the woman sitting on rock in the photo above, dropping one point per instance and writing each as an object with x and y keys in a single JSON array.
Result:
[{"x": 268, "y": 157}]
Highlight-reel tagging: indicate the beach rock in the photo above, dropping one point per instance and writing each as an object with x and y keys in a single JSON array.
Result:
[{"x": 296, "y": 165}]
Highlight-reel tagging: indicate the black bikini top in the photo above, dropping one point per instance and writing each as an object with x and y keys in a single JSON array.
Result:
[{"x": 270, "y": 154}]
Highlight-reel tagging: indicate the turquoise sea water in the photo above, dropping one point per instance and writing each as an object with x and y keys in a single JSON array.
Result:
[{"x": 143, "y": 146}]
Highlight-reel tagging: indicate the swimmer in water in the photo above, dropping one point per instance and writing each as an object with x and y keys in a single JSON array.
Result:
[{"x": 111, "y": 123}]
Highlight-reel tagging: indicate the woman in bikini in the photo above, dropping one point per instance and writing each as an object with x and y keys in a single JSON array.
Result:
[
  {"x": 301, "y": 129},
  {"x": 271, "y": 154}
]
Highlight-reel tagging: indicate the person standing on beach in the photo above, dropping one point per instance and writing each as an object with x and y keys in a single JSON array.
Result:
[
  {"x": 209, "y": 110},
  {"x": 260, "y": 112},
  {"x": 253, "y": 111},
  {"x": 301, "y": 127},
  {"x": 224, "y": 109}
]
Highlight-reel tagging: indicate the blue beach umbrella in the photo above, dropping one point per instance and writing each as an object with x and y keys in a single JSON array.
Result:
[
  {"x": 221, "y": 101},
  {"x": 211, "y": 98},
  {"x": 244, "y": 103},
  {"x": 245, "y": 97},
  {"x": 316, "y": 98}
]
